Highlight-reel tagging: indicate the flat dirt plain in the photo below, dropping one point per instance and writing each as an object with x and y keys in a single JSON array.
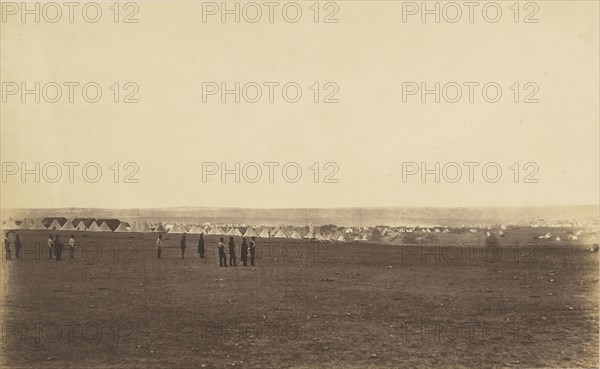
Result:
[{"x": 303, "y": 305}]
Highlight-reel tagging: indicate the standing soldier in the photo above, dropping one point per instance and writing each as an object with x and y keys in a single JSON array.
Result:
[
  {"x": 182, "y": 246},
  {"x": 201, "y": 245},
  {"x": 158, "y": 246},
  {"x": 18, "y": 245},
  {"x": 244, "y": 255},
  {"x": 50, "y": 246},
  {"x": 72, "y": 248},
  {"x": 58, "y": 246},
  {"x": 252, "y": 251},
  {"x": 232, "y": 261},
  {"x": 7, "y": 246},
  {"x": 222, "y": 257}
]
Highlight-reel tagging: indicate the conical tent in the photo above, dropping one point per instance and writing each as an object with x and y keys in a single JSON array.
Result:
[
  {"x": 105, "y": 228},
  {"x": 250, "y": 233},
  {"x": 557, "y": 239},
  {"x": 264, "y": 233},
  {"x": 55, "y": 225},
  {"x": 364, "y": 238},
  {"x": 341, "y": 238},
  {"x": 280, "y": 234},
  {"x": 310, "y": 234},
  {"x": 37, "y": 224},
  {"x": 234, "y": 232},
  {"x": 196, "y": 230},
  {"x": 295, "y": 235},
  {"x": 357, "y": 238},
  {"x": 94, "y": 227},
  {"x": 145, "y": 228},
  {"x": 81, "y": 226},
  {"x": 68, "y": 226},
  {"x": 176, "y": 229},
  {"x": 11, "y": 224},
  {"x": 319, "y": 237},
  {"x": 25, "y": 224},
  {"x": 159, "y": 228},
  {"x": 121, "y": 228},
  {"x": 134, "y": 227},
  {"x": 327, "y": 237}
]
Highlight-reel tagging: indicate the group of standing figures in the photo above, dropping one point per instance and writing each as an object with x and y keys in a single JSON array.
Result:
[
  {"x": 55, "y": 247},
  {"x": 245, "y": 250}
]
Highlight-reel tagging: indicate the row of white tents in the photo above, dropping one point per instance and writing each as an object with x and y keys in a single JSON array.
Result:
[{"x": 144, "y": 227}]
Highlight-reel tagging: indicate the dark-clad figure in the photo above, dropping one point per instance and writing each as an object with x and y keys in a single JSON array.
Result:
[
  {"x": 232, "y": 261},
  {"x": 182, "y": 246},
  {"x": 18, "y": 246},
  {"x": 201, "y": 249},
  {"x": 222, "y": 257},
  {"x": 244, "y": 254},
  {"x": 158, "y": 246},
  {"x": 7, "y": 246},
  {"x": 252, "y": 250},
  {"x": 50, "y": 246},
  {"x": 58, "y": 246},
  {"x": 72, "y": 248}
]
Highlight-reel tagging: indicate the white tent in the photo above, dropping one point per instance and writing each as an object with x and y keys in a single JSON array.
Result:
[
  {"x": 296, "y": 236},
  {"x": 488, "y": 234},
  {"x": 327, "y": 237},
  {"x": 176, "y": 229},
  {"x": 357, "y": 238},
  {"x": 446, "y": 230},
  {"x": 573, "y": 237},
  {"x": 250, "y": 233},
  {"x": 216, "y": 231},
  {"x": 437, "y": 230},
  {"x": 94, "y": 227},
  {"x": 264, "y": 233},
  {"x": 501, "y": 233},
  {"x": 159, "y": 228},
  {"x": 557, "y": 239},
  {"x": 11, "y": 224},
  {"x": 122, "y": 228},
  {"x": 196, "y": 230},
  {"x": 341, "y": 238},
  {"x": 310, "y": 234},
  {"x": 234, "y": 232},
  {"x": 364, "y": 238},
  {"x": 503, "y": 227},
  {"x": 55, "y": 225},
  {"x": 68, "y": 226},
  {"x": 105, "y": 228},
  {"x": 81, "y": 226},
  {"x": 280, "y": 234},
  {"x": 145, "y": 228},
  {"x": 25, "y": 224},
  {"x": 319, "y": 237}
]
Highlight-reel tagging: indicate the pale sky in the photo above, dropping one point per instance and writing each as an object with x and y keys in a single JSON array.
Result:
[{"x": 369, "y": 133}]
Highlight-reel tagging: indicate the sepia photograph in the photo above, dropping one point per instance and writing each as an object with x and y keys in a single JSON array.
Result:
[{"x": 308, "y": 184}]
